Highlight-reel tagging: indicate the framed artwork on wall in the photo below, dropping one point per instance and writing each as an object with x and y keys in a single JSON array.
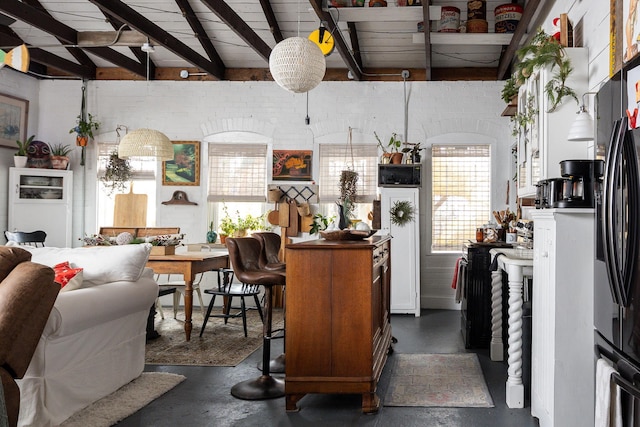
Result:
[
  {"x": 293, "y": 165},
  {"x": 13, "y": 120},
  {"x": 630, "y": 25},
  {"x": 184, "y": 169}
]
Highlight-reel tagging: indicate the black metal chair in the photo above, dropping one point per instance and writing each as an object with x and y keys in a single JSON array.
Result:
[
  {"x": 228, "y": 290},
  {"x": 244, "y": 254},
  {"x": 33, "y": 238}
]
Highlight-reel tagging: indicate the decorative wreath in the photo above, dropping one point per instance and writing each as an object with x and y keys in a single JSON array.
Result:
[{"x": 401, "y": 212}]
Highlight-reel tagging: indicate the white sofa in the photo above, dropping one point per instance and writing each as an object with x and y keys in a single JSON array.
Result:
[{"x": 94, "y": 340}]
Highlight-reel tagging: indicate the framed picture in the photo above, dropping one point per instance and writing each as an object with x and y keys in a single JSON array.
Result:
[
  {"x": 184, "y": 169},
  {"x": 13, "y": 120},
  {"x": 293, "y": 165},
  {"x": 630, "y": 23}
]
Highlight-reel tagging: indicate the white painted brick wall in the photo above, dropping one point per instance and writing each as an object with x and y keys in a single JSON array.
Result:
[{"x": 192, "y": 110}]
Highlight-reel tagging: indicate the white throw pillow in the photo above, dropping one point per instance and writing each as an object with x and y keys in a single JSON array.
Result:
[{"x": 100, "y": 264}]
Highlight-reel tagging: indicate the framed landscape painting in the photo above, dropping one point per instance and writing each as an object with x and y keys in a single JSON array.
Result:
[
  {"x": 13, "y": 120},
  {"x": 293, "y": 165},
  {"x": 184, "y": 169}
]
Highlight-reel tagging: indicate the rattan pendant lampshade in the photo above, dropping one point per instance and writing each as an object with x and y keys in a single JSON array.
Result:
[
  {"x": 146, "y": 143},
  {"x": 297, "y": 64}
]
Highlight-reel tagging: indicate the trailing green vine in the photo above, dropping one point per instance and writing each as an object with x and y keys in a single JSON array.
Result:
[{"x": 543, "y": 51}]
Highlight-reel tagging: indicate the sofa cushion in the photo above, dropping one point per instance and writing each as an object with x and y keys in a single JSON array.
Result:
[
  {"x": 68, "y": 277},
  {"x": 11, "y": 256},
  {"x": 100, "y": 264}
]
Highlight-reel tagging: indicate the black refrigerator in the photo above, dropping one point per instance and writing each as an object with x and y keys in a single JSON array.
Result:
[{"x": 617, "y": 279}]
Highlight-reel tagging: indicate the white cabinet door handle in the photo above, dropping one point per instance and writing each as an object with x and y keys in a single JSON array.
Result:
[{"x": 545, "y": 254}]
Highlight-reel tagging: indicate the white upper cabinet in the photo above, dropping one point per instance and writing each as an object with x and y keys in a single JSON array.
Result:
[{"x": 543, "y": 144}]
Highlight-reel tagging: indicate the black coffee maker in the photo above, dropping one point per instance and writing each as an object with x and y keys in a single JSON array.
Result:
[{"x": 581, "y": 180}]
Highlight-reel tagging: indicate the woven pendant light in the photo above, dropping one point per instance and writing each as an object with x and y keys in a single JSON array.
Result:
[
  {"x": 146, "y": 143},
  {"x": 297, "y": 64}
]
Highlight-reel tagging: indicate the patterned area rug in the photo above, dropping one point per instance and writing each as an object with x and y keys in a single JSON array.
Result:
[
  {"x": 438, "y": 380},
  {"x": 220, "y": 345},
  {"x": 125, "y": 401}
]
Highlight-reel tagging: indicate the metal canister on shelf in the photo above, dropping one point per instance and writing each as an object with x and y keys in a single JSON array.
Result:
[
  {"x": 507, "y": 17},
  {"x": 476, "y": 9},
  {"x": 449, "y": 19}
]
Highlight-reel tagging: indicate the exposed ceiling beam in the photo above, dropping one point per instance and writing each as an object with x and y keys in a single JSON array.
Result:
[
  {"x": 510, "y": 53},
  {"x": 46, "y": 58},
  {"x": 143, "y": 58},
  {"x": 343, "y": 49},
  {"x": 199, "y": 31},
  {"x": 426, "y": 19},
  {"x": 77, "y": 53},
  {"x": 239, "y": 26},
  {"x": 355, "y": 44},
  {"x": 63, "y": 32},
  {"x": 160, "y": 36},
  {"x": 271, "y": 20},
  {"x": 105, "y": 38},
  {"x": 39, "y": 19}
]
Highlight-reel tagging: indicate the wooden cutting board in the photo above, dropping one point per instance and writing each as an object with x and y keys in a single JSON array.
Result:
[
  {"x": 130, "y": 210},
  {"x": 283, "y": 215},
  {"x": 294, "y": 219},
  {"x": 305, "y": 223}
]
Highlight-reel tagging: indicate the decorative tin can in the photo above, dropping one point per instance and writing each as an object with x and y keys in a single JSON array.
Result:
[
  {"x": 476, "y": 9},
  {"x": 449, "y": 19},
  {"x": 507, "y": 17},
  {"x": 477, "y": 26}
]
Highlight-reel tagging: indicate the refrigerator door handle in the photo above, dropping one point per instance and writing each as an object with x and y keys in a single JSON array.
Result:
[
  {"x": 612, "y": 168},
  {"x": 630, "y": 241},
  {"x": 625, "y": 385}
]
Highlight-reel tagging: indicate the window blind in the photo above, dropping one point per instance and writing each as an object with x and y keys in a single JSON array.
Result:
[
  {"x": 237, "y": 172},
  {"x": 461, "y": 188},
  {"x": 335, "y": 158}
]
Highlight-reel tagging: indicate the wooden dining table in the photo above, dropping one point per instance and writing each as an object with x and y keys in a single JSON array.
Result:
[{"x": 189, "y": 264}]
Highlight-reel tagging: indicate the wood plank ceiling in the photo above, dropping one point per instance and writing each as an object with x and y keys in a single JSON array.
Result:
[{"x": 232, "y": 39}]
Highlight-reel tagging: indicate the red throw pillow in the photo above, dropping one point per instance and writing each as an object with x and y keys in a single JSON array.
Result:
[{"x": 68, "y": 277}]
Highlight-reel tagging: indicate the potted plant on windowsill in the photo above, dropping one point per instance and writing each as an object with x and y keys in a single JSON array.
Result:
[
  {"x": 20, "y": 158},
  {"x": 59, "y": 158}
]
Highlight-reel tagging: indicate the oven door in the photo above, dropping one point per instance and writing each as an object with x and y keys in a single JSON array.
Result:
[{"x": 627, "y": 378}]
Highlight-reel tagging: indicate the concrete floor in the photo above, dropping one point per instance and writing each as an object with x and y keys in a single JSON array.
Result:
[{"x": 204, "y": 398}]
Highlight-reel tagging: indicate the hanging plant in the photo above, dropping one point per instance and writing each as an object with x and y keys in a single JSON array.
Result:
[
  {"x": 117, "y": 174},
  {"x": 401, "y": 212},
  {"x": 348, "y": 190},
  {"x": 543, "y": 51}
]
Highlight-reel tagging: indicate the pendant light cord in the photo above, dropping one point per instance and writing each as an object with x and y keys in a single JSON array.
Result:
[{"x": 406, "y": 109}]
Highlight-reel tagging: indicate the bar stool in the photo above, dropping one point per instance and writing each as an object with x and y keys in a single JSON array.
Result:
[
  {"x": 244, "y": 254},
  {"x": 269, "y": 260}
]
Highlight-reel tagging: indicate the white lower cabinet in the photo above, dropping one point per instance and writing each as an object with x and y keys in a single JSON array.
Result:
[
  {"x": 405, "y": 251},
  {"x": 562, "y": 361},
  {"x": 41, "y": 199}
]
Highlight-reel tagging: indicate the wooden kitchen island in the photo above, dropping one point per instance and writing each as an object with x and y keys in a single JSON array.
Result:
[{"x": 337, "y": 331}]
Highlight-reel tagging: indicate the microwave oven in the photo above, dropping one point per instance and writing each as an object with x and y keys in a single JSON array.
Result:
[{"x": 399, "y": 175}]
